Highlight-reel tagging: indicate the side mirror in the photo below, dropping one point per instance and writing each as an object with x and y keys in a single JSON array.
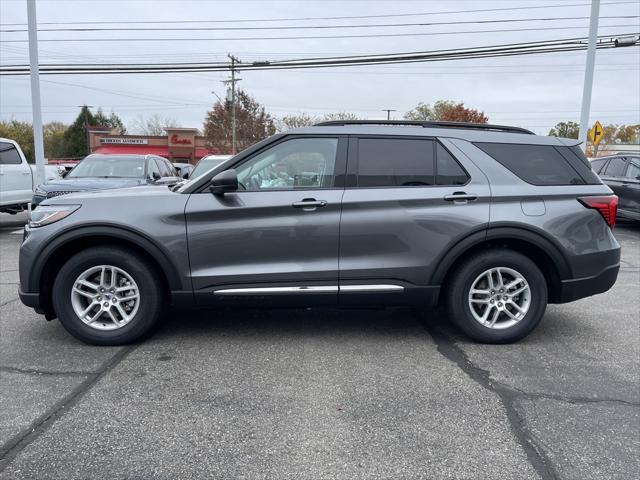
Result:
[
  {"x": 224, "y": 182},
  {"x": 185, "y": 175},
  {"x": 155, "y": 176}
]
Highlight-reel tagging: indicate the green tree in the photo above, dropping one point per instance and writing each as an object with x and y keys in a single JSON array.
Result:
[
  {"x": 75, "y": 137},
  {"x": 567, "y": 129},
  {"x": 21, "y": 132},
  {"x": 253, "y": 123},
  {"x": 112, "y": 121}
]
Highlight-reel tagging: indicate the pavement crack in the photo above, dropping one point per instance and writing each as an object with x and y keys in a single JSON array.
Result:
[
  {"x": 10, "y": 449},
  {"x": 7, "y": 302},
  {"x": 570, "y": 399},
  {"x": 33, "y": 371},
  {"x": 531, "y": 445}
]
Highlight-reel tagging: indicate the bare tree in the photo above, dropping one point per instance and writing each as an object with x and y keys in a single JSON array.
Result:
[{"x": 154, "y": 125}]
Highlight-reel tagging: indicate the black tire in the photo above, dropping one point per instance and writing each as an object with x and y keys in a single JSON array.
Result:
[
  {"x": 462, "y": 278},
  {"x": 150, "y": 290}
]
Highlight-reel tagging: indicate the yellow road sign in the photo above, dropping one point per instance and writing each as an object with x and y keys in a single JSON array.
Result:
[{"x": 596, "y": 133}]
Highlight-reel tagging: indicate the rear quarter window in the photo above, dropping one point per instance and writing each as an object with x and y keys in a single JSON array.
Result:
[{"x": 535, "y": 164}]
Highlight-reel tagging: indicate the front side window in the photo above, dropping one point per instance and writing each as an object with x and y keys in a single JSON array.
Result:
[
  {"x": 615, "y": 167},
  {"x": 596, "y": 165},
  {"x": 164, "y": 168},
  {"x": 395, "y": 162},
  {"x": 299, "y": 163},
  {"x": 9, "y": 155}
]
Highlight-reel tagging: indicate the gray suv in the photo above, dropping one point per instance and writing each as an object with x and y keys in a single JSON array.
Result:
[{"x": 494, "y": 222}]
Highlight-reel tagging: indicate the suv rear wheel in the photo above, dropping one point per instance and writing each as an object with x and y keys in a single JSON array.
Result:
[
  {"x": 497, "y": 296},
  {"x": 107, "y": 296}
]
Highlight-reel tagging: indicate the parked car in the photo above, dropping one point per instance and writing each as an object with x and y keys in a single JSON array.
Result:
[
  {"x": 493, "y": 222},
  {"x": 17, "y": 177},
  {"x": 207, "y": 163},
  {"x": 104, "y": 172},
  {"x": 622, "y": 174},
  {"x": 184, "y": 169}
]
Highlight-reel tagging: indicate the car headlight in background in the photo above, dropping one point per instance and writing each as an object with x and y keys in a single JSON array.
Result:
[{"x": 46, "y": 214}]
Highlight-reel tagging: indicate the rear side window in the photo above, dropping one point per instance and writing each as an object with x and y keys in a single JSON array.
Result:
[
  {"x": 535, "y": 164},
  {"x": 448, "y": 170},
  {"x": 596, "y": 165},
  {"x": 395, "y": 162},
  {"x": 615, "y": 167},
  {"x": 9, "y": 155},
  {"x": 633, "y": 170}
]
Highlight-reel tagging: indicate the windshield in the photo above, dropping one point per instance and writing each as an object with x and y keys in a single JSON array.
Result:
[
  {"x": 207, "y": 163},
  {"x": 109, "y": 166}
]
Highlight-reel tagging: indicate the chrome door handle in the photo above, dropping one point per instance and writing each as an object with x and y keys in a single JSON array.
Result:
[
  {"x": 461, "y": 197},
  {"x": 309, "y": 204}
]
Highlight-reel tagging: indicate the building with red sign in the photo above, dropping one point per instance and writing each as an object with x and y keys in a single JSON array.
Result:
[{"x": 179, "y": 145}]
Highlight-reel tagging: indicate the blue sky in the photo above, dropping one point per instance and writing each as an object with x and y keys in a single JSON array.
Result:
[{"x": 534, "y": 92}]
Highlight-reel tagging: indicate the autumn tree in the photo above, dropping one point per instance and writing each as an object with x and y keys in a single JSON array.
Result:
[
  {"x": 446, "y": 111},
  {"x": 253, "y": 123},
  {"x": 565, "y": 130},
  {"x": 53, "y": 133}
]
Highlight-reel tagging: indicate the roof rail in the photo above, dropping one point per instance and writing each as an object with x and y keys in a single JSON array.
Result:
[{"x": 435, "y": 124}]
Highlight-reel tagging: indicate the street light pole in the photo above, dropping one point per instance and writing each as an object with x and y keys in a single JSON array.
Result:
[
  {"x": 588, "y": 73},
  {"x": 36, "y": 106},
  {"x": 388, "y": 110}
]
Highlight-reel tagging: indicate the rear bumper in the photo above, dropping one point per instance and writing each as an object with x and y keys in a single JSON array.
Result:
[{"x": 577, "y": 288}]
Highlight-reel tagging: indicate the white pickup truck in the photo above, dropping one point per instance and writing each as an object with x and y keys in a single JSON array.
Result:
[{"x": 18, "y": 178}]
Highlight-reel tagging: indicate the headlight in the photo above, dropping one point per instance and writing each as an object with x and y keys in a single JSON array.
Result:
[
  {"x": 39, "y": 191},
  {"x": 46, "y": 214}
]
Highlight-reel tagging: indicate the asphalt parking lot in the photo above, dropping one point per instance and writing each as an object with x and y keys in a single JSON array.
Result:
[{"x": 314, "y": 394}]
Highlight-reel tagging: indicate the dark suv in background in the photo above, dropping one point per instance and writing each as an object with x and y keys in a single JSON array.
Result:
[
  {"x": 622, "y": 174},
  {"x": 494, "y": 222}
]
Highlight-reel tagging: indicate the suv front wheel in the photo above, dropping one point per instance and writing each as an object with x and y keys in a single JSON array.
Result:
[
  {"x": 497, "y": 296},
  {"x": 107, "y": 296}
]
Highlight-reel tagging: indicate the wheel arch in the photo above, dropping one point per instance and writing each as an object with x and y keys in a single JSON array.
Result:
[
  {"x": 531, "y": 243},
  {"x": 62, "y": 247}
]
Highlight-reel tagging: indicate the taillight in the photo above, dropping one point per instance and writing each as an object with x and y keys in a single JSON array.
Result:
[{"x": 606, "y": 205}]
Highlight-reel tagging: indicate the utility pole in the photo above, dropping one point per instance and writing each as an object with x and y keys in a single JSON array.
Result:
[
  {"x": 36, "y": 106},
  {"x": 588, "y": 73},
  {"x": 233, "y": 81},
  {"x": 388, "y": 110}
]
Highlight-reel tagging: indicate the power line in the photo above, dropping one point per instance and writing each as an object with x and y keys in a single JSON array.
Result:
[
  {"x": 314, "y": 27},
  {"x": 317, "y": 62},
  {"x": 308, "y": 37},
  {"x": 351, "y": 17}
]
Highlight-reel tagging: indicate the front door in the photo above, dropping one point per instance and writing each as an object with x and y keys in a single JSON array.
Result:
[
  {"x": 15, "y": 176},
  {"x": 276, "y": 238}
]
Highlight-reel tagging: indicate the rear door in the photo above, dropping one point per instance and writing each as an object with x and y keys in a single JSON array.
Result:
[
  {"x": 276, "y": 238},
  {"x": 407, "y": 201},
  {"x": 629, "y": 196},
  {"x": 15, "y": 176}
]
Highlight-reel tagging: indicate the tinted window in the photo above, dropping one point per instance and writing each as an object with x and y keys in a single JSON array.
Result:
[
  {"x": 448, "y": 170},
  {"x": 535, "y": 164},
  {"x": 395, "y": 162},
  {"x": 615, "y": 167},
  {"x": 9, "y": 155},
  {"x": 633, "y": 170},
  {"x": 298, "y": 163},
  {"x": 207, "y": 163},
  {"x": 596, "y": 165}
]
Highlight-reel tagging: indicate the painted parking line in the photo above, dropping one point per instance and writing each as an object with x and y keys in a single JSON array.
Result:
[{"x": 17, "y": 232}]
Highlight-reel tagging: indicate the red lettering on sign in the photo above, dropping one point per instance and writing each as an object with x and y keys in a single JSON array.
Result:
[{"x": 183, "y": 141}]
